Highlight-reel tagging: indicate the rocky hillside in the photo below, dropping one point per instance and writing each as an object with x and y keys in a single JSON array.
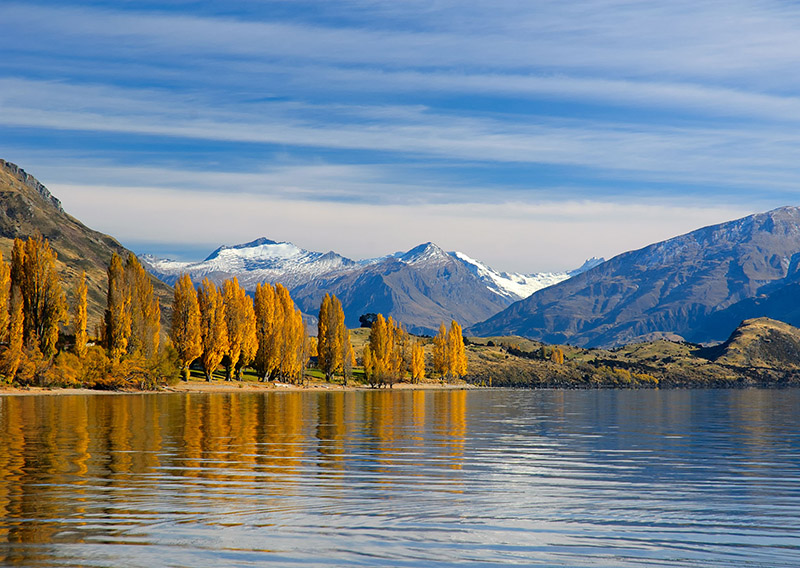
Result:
[
  {"x": 27, "y": 208},
  {"x": 760, "y": 352},
  {"x": 672, "y": 288}
]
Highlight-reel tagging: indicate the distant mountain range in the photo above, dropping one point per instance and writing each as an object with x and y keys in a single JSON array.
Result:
[
  {"x": 421, "y": 287},
  {"x": 698, "y": 286}
]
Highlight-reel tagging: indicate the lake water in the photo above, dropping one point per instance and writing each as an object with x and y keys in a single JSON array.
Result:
[{"x": 436, "y": 478}]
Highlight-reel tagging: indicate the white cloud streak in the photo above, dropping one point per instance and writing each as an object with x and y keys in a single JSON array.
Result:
[{"x": 525, "y": 237}]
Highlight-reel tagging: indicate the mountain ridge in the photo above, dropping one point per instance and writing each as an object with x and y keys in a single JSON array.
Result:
[
  {"x": 669, "y": 287},
  {"x": 420, "y": 287}
]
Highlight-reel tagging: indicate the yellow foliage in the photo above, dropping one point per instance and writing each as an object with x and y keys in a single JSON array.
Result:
[
  {"x": 417, "y": 362},
  {"x": 449, "y": 354},
  {"x": 79, "y": 316},
  {"x": 333, "y": 338},
  {"x": 11, "y": 358},
  {"x": 118, "y": 310},
  {"x": 5, "y": 297},
  {"x": 213, "y": 328},
  {"x": 145, "y": 312},
  {"x": 240, "y": 319},
  {"x": 33, "y": 269},
  {"x": 185, "y": 332}
]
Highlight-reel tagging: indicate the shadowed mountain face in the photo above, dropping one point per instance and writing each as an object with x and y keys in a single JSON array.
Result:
[
  {"x": 28, "y": 209},
  {"x": 422, "y": 288},
  {"x": 680, "y": 286}
]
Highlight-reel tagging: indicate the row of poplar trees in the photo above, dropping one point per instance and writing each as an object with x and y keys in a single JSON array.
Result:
[
  {"x": 225, "y": 324},
  {"x": 33, "y": 307},
  {"x": 390, "y": 354}
]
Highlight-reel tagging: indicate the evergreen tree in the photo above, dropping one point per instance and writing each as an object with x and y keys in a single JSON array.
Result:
[{"x": 185, "y": 332}]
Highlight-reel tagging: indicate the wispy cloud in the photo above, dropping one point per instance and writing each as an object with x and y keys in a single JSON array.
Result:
[
  {"x": 311, "y": 105},
  {"x": 524, "y": 236}
]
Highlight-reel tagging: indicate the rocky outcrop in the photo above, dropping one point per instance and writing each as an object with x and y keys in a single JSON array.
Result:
[{"x": 31, "y": 182}]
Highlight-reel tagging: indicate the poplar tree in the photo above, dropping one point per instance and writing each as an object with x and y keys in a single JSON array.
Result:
[
  {"x": 5, "y": 297},
  {"x": 145, "y": 312},
  {"x": 241, "y": 324},
  {"x": 13, "y": 354},
  {"x": 266, "y": 359},
  {"x": 118, "y": 310},
  {"x": 333, "y": 337},
  {"x": 349, "y": 358},
  {"x": 79, "y": 316},
  {"x": 449, "y": 353},
  {"x": 384, "y": 362},
  {"x": 456, "y": 352},
  {"x": 292, "y": 336},
  {"x": 417, "y": 362},
  {"x": 213, "y": 328},
  {"x": 440, "y": 352},
  {"x": 44, "y": 306},
  {"x": 185, "y": 331}
]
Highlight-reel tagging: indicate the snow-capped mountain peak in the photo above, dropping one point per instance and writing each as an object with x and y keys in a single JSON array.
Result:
[
  {"x": 518, "y": 286},
  {"x": 426, "y": 252}
]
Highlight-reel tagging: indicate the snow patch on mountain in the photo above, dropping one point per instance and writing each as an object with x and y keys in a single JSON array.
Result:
[
  {"x": 517, "y": 286},
  {"x": 264, "y": 260}
]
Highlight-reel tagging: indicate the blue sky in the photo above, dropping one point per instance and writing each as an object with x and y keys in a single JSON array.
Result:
[{"x": 528, "y": 134}]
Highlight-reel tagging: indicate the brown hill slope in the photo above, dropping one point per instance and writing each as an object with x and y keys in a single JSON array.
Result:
[
  {"x": 669, "y": 288},
  {"x": 760, "y": 352},
  {"x": 27, "y": 208}
]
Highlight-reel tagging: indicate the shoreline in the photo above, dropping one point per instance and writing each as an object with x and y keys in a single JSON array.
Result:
[{"x": 195, "y": 387}]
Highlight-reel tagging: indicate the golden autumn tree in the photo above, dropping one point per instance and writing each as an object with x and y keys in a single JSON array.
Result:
[
  {"x": 449, "y": 353},
  {"x": 383, "y": 360},
  {"x": 12, "y": 356},
  {"x": 5, "y": 297},
  {"x": 118, "y": 310},
  {"x": 79, "y": 318},
  {"x": 145, "y": 311},
  {"x": 213, "y": 327},
  {"x": 267, "y": 355},
  {"x": 417, "y": 362},
  {"x": 44, "y": 305},
  {"x": 185, "y": 331},
  {"x": 456, "y": 352},
  {"x": 349, "y": 359},
  {"x": 333, "y": 337},
  {"x": 240, "y": 319},
  {"x": 440, "y": 352},
  {"x": 292, "y": 336}
]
